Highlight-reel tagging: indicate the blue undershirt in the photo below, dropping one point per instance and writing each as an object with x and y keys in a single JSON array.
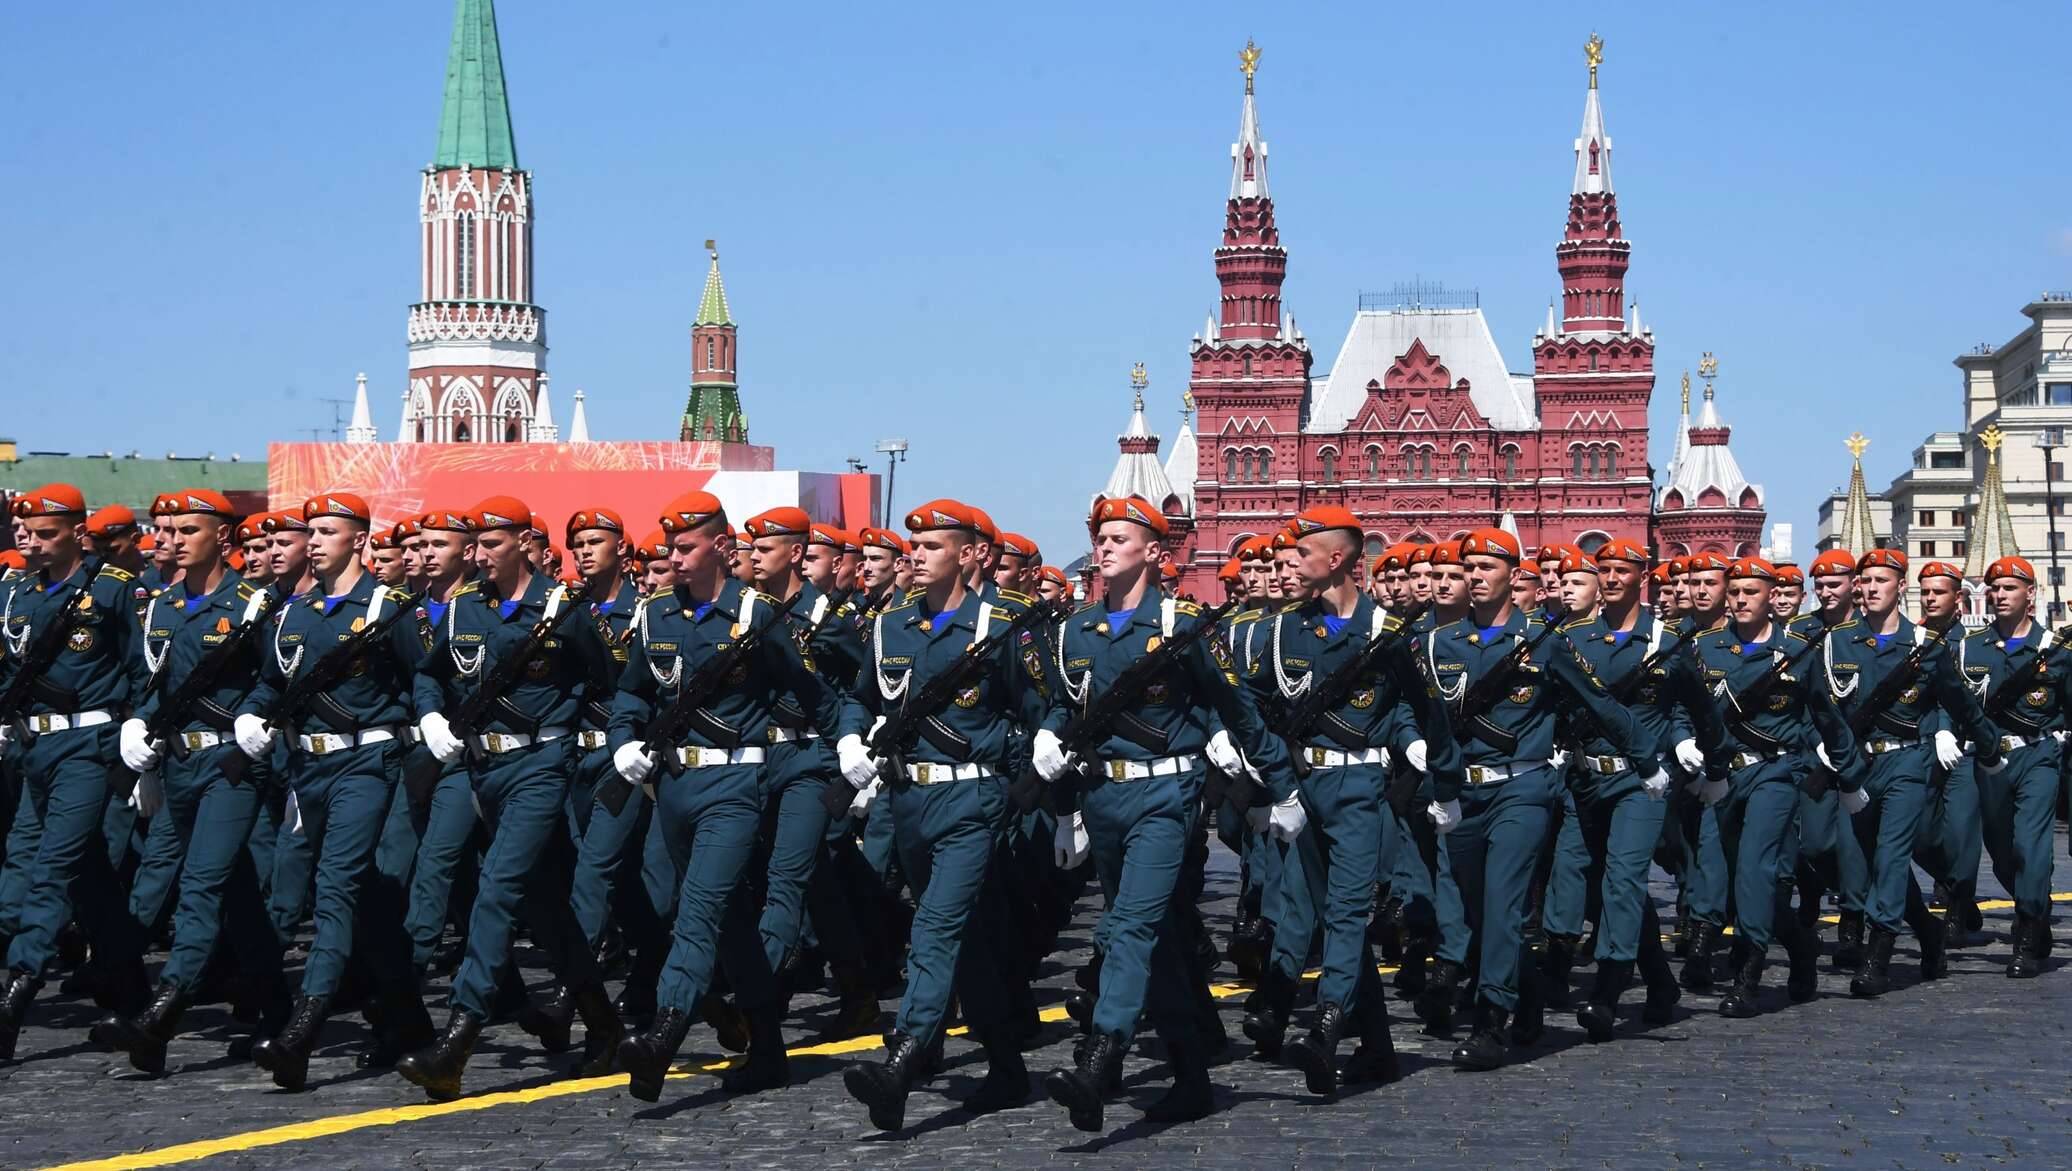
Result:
[
  {"x": 436, "y": 610},
  {"x": 507, "y": 608},
  {"x": 2014, "y": 644},
  {"x": 1881, "y": 640},
  {"x": 1619, "y": 637},
  {"x": 1117, "y": 619},
  {"x": 1489, "y": 633},
  {"x": 1334, "y": 623}
]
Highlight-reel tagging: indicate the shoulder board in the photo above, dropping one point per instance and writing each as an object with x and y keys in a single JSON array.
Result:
[
  {"x": 1716, "y": 627},
  {"x": 845, "y": 608},
  {"x": 1018, "y": 598},
  {"x": 245, "y": 590},
  {"x": 1844, "y": 625},
  {"x": 1535, "y": 620},
  {"x": 913, "y": 593},
  {"x": 1289, "y": 608},
  {"x": 1983, "y": 633},
  {"x": 763, "y": 599},
  {"x": 1085, "y": 607},
  {"x": 905, "y": 603},
  {"x": 116, "y": 572},
  {"x": 466, "y": 588},
  {"x": 1191, "y": 609},
  {"x": 1573, "y": 624},
  {"x": 1390, "y": 624},
  {"x": 1247, "y": 616},
  {"x": 1801, "y": 635},
  {"x": 657, "y": 595}
]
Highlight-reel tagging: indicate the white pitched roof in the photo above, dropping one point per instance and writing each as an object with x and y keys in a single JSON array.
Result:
[
  {"x": 1707, "y": 465},
  {"x": 1137, "y": 473},
  {"x": 579, "y": 426},
  {"x": 1588, "y": 182},
  {"x": 1182, "y": 466},
  {"x": 1461, "y": 340},
  {"x": 1248, "y": 157}
]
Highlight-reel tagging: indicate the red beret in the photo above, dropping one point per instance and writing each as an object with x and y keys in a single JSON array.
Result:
[
  {"x": 105, "y": 521},
  {"x": 446, "y": 520},
  {"x": 343, "y": 504},
  {"x": 1660, "y": 573},
  {"x": 1706, "y": 562},
  {"x": 1938, "y": 569},
  {"x": 884, "y": 539},
  {"x": 652, "y": 546},
  {"x": 1834, "y": 563},
  {"x": 1134, "y": 509},
  {"x": 204, "y": 502},
  {"x": 538, "y": 524},
  {"x": 500, "y": 512},
  {"x": 1790, "y": 575},
  {"x": 1396, "y": 556},
  {"x": 2014, "y": 567},
  {"x": 742, "y": 540},
  {"x": 987, "y": 530},
  {"x": 1323, "y": 519},
  {"x": 1055, "y": 574},
  {"x": 1490, "y": 543},
  {"x": 1621, "y": 549},
  {"x": 405, "y": 529},
  {"x": 1255, "y": 549},
  {"x": 824, "y": 534},
  {"x": 380, "y": 539},
  {"x": 50, "y": 500},
  {"x": 1018, "y": 545},
  {"x": 1232, "y": 570},
  {"x": 596, "y": 518},
  {"x": 943, "y": 514},
  {"x": 1573, "y": 563},
  {"x": 252, "y": 527},
  {"x": 165, "y": 504},
  {"x": 1753, "y": 567},
  {"x": 1443, "y": 553},
  {"x": 778, "y": 522},
  {"x": 1169, "y": 571},
  {"x": 1420, "y": 554},
  {"x": 1678, "y": 566},
  {"x": 689, "y": 511},
  {"x": 282, "y": 522},
  {"x": 1556, "y": 550},
  {"x": 1883, "y": 559},
  {"x": 1284, "y": 539}
]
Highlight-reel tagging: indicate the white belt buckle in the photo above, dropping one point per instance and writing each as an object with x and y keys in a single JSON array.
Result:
[
  {"x": 1118, "y": 770},
  {"x": 45, "y": 722},
  {"x": 1317, "y": 756},
  {"x": 494, "y": 741},
  {"x": 320, "y": 744},
  {"x": 194, "y": 741}
]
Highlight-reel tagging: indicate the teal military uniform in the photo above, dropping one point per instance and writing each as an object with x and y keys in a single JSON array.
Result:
[
  {"x": 610, "y": 846},
  {"x": 445, "y": 837},
  {"x": 2017, "y": 800}
]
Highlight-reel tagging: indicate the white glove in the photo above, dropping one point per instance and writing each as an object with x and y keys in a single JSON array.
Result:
[
  {"x": 855, "y": 760},
  {"x": 438, "y": 735},
  {"x": 149, "y": 795},
  {"x": 254, "y": 735},
  {"x": 137, "y": 753},
  {"x": 1690, "y": 756},
  {"x": 291, "y": 814},
  {"x": 632, "y": 762},
  {"x": 1223, "y": 754},
  {"x": 2060, "y": 735},
  {"x": 1287, "y": 818},
  {"x": 1444, "y": 814},
  {"x": 1559, "y": 760},
  {"x": 1855, "y": 800},
  {"x": 1948, "y": 753},
  {"x": 1655, "y": 783},
  {"x": 1257, "y": 819},
  {"x": 861, "y": 803},
  {"x": 1048, "y": 755},
  {"x": 1820, "y": 750},
  {"x": 1068, "y": 847},
  {"x": 1414, "y": 756},
  {"x": 1713, "y": 792},
  {"x": 6, "y": 737}
]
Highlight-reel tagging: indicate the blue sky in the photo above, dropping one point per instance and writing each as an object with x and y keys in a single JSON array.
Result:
[{"x": 962, "y": 224}]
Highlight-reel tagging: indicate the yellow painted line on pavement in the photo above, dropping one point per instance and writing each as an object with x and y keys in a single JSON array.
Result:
[{"x": 338, "y": 1124}]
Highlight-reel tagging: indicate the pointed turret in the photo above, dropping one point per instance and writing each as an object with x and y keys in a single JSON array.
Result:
[
  {"x": 542, "y": 428},
  {"x": 1683, "y": 425},
  {"x": 1859, "y": 533},
  {"x": 1251, "y": 265},
  {"x": 475, "y": 118},
  {"x": 1183, "y": 464},
  {"x": 1137, "y": 470},
  {"x": 1593, "y": 255},
  {"x": 1992, "y": 526},
  {"x": 579, "y": 424},
  {"x": 1248, "y": 153},
  {"x": 1708, "y": 504},
  {"x": 361, "y": 430},
  {"x": 1593, "y": 145},
  {"x": 406, "y": 431},
  {"x": 713, "y": 414}
]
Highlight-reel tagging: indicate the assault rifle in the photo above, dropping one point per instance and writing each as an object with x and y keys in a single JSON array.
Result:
[
  {"x": 172, "y": 710},
  {"x": 1876, "y": 704},
  {"x": 672, "y": 724},
  {"x": 1472, "y": 715},
  {"x": 1091, "y": 727},
  {"x": 43, "y": 650},
  {"x": 422, "y": 771},
  {"x": 296, "y": 700},
  {"x": 1631, "y": 684},
  {"x": 2004, "y": 698}
]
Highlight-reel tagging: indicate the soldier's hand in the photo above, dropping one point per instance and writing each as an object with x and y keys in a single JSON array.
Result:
[
  {"x": 149, "y": 795},
  {"x": 1223, "y": 754},
  {"x": 1855, "y": 800},
  {"x": 632, "y": 762},
  {"x": 1287, "y": 818},
  {"x": 1069, "y": 844},
  {"x": 1415, "y": 755},
  {"x": 439, "y": 739},
  {"x": 254, "y": 735},
  {"x": 1948, "y": 753},
  {"x": 1048, "y": 755},
  {"x": 1689, "y": 755},
  {"x": 138, "y": 754},
  {"x": 1444, "y": 814},
  {"x": 1655, "y": 783},
  {"x": 855, "y": 760}
]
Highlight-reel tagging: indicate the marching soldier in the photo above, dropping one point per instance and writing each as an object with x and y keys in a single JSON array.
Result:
[
  {"x": 1951, "y": 840},
  {"x": 443, "y": 813},
  {"x": 1828, "y": 859}
]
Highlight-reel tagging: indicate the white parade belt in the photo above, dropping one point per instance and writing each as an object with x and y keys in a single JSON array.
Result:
[
  {"x": 692, "y": 756},
  {"x": 783, "y": 735},
  {"x": 497, "y": 743},
  {"x": 1604, "y": 765},
  {"x": 937, "y": 774},
  {"x": 48, "y": 722},
  {"x": 1319, "y": 757},
  {"x": 1137, "y": 770},
  {"x": 322, "y": 743}
]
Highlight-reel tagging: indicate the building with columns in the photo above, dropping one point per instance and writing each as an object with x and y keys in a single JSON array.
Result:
[{"x": 1418, "y": 426}]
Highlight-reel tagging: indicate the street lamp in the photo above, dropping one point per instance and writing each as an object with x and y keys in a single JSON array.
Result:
[
  {"x": 2050, "y": 439},
  {"x": 894, "y": 450}
]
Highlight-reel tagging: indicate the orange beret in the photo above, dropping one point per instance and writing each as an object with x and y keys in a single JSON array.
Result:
[
  {"x": 165, "y": 504},
  {"x": 690, "y": 511},
  {"x": 596, "y": 518},
  {"x": 1883, "y": 559},
  {"x": 1325, "y": 518},
  {"x": 445, "y": 520},
  {"x": 343, "y": 504},
  {"x": 282, "y": 522},
  {"x": 1443, "y": 553},
  {"x": 1704, "y": 562},
  {"x": 250, "y": 528},
  {"x": 824, "y": 534},
  {"x": 405, "y": 529},
  {"x": 1938, "y": 569},
  {"x": 13, "y": 559},
  {"x": 1396, "y": 556},
  {"x": 1557, "y": 550},
  {"x": 199, "y": 501},
  {"x": 945, "y": 514},
  {"x": 1232, "y": 570},
  {"x": 2014, "y": 567},
  {"x": 851, "y": 543},
  {"x": 1754, "y": 567},
  {"x": 1169, "y": 571},
  {"x": 1660, "y": 574},
  {"x": 50, "y": 500},
  {"x": 537, "y": 524},
  {"x": 1054, "y": 574},
  {"x": 884, "y": 539},
  {"x": 1621, "y": 549},
  {"x": 1572, "y": 563},
  {"x": 784, "y": 521},
  {"x": 1134, "y": 509},
  {"x": 1255, "y": 549},
  {"x": 380, "y": 540},
  {"x": 106, "y": 521},
  {"x": 1834, "y": 563},
  {"x": 742, "y": 540},
  {"x": 1419, "y": 554},
  {"x": 500, "y": 512},
  {"x": 1490, "y": 543},
  {"x": 652, "y": 546},
  {"x": 1678, "y": 566},
  {"x": 987, "y": 530},
  {"x": 1018, "y": 545},
  {"x": 1790, "y": 575}
]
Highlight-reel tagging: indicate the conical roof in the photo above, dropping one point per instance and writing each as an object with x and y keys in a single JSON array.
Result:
[
  {"x": 475, "y": 117},
  {"x": 1992, "y": 526}
]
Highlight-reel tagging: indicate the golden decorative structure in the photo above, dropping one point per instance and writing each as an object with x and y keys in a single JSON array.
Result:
[
  {"x": 1138, "y": 377},
  {"x": 1593, "y": 51},
  {"x": 712, "y": 246},
  {"x": 1991, "y": 439},
  {"x": 1687, "y": 393},
  {"x": 1856, "y": 444},
  {"x": 1248, "y": 62},
  {"x": 1187, "y": 400}
]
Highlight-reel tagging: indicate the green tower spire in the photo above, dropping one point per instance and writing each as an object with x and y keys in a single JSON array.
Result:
[
  {"x": 475, "y": 117},
  {"x": 714, "y": 413}
]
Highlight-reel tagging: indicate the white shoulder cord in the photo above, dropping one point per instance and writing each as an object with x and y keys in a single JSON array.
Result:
[
  {"x": 1075, "y": 693},
  {"x": 467, "y": 665},
  {"x": 887, "y": 689},
  {"x": 151, "y": 661},
  {"x": 16, "y": 644},
  {"x": 374, "y": 604},
  {"x": 1168, "y": 610},
  {"x": 1290, "y": 689},
  {"x": 1449, "y": 694},
  {"x": 985, "y": 619},
  {"x": 818, "y": 612},
  {"x": 667, "y": 679},
  {"x": 1840, "y": 689}
]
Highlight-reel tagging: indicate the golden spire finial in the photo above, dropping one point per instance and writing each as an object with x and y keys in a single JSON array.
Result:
[
  {"x": 1856, "y": 444},
  {"x": 1138, "y": 377},
  {"x": 1708, "y": 369},
  {"x": 712, "y": 246},
  {"x": 1593, "y": 51},
  {"x": 1186, "y": 402},
  {"x": 1248, "y": 62},
  {"x": 1991, "y": 439},
  {"x": 1687, "y": 394}
]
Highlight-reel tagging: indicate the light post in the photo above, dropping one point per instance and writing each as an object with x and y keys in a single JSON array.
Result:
[
  {"x": 894, "y": 450},
  {"x": 2050, "y": 439}
]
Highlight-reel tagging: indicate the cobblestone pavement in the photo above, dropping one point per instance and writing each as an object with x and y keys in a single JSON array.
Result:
[{"x": 1968, "y": 1071}]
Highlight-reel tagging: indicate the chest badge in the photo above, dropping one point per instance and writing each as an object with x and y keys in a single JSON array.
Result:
[
  {"x": 928, "y": 625},
  {"x": 81, "y": 641},
  {"x": 738, "y": 629},
  {"x": 1152, "y": 644},
  {"x": 359, "y": 624},
  {"x": 536, "y": 669},
  {"x": 1523, "y": 693},
  {"x": 222, "y": 626},
  {"x": 968, "y": 698},
  {"x": 2039, "y": 697},
  {"x": 1100, "y": 628},
  {"x": 1363, "y": 699}
]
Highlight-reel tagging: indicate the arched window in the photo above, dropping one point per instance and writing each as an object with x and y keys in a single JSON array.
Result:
[
  {"x": 461, "y": 434},
  {"x": 464, "y": 253},
  {"x": 1374, "y": 463},
  {"x": 1575, "y": 470},
  {"x": 1510, "y": 463},
  {"x": 1424, "y": 463},
  {"x": 1264, "y": 465},
  {"x": 1593, "y": 461},
  {"x": 1230, "y": 465},
  {"x": 1248, "y": 365},
  {"x": 1329, "y": 461},
  {"x": 1460, "y": 462},
  {"x": 1611, "y": 462},
  {"x": 711, "y": 359},
  {"x": 1593, "y": 359},
  {"x": 510, "y": 430}
]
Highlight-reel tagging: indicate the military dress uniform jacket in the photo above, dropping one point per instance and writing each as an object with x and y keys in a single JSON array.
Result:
[
  {"x": 179, "y": 633},
  {"x": 834, "y": 651},
  {"x": 1856, "y": 666},
  {"x": 1985, "y": 660},
  {"x": 99, "y": 668},
  {"x": 377, "y": 694},
  {"x": 1458, "y": 654},
  {"x": 475, "y": 635},
  {"x": 986, "y": 724},
  {"x": 1798, "y": 713},
  {"x": 1175, "y": 716},
  {"x": 1293, "y": 649},
  {"x": 614, "y": 618},
  {"x": 1671, "y": 703},
  {"x": 676, "y": 633}
]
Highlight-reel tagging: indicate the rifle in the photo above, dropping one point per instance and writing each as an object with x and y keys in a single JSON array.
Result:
[
  {"x": 896, "y": 737},
  {"x": 422, "y": 772},
  {"x": 295, "y": 701},
  {"x": 1630, "y": 685},
  {"x": 671, "y": 724},
  {"x": 43, "y": 651},
  {"x": 1473, "y": 712},
  {"x": 2012, "y": 688},
  {"x": 1875, "y": 705},
  {"x": 1090, "y": 728},
  {"x": 172, "y": 711}
]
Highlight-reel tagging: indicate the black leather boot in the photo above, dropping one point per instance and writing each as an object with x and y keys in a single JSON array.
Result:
[
  {"x": 286, "y": 1055},
  {"x": 857, "y": 1013},
  {"x": 646, "y": 1056},
  {"x": 2041, "y": 937},
  {"x": 1529, "y": 1022},
  {"x": 1485, "y": 1048},
  {"x": 882, "y": 1086},
  {"x": 1316, "y": 1054},
  {"x": 15, "y": 997},
  {"x": 1267, "y": 1025},
  {"x": 1663, "y": 990},
  {"x": 1599, "y": 1016},
  {"x": 405, "y": 1027},
  {"x": 766, "y": 1067},
  {"x": 1080, "y": 1090},
  {"x": 726, "y": 1020},
  {"x": 437, "y": 1068},
  {"x": 1700, "y": 960},
  {"x": 2025, "y": 963},
  {"x": 549, "y": 1019},
  {"x": 1802, "y": 950},
  {"x": 1208, "y": 1021},
  {"x": 1739, "y": 1002},
  {"x": 1417, "y": 952},
  {"x": 636, "y": 1003},
  {"x": 1934, "y": 961},
  {"x": 145, "y": 1035},
  {"x": 1874, "y": 975},
  {"x": 1191, "y": 1096},
  {"x": 1435, "y": 1004},
  {"x": 1849, "y": 941},
  {"x": 1006, "y": 1083},
  {"x": 1556, "y": 963},
  {"x": 602, "y": 1030}
]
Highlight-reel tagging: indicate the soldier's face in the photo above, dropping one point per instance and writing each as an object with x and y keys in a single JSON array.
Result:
[
  {"x": 52, "y": 540},
  {"x": 876, "y": 569},
  {"x": 1007, "y": 574},
  {"x": 1941, "y": 598},
  {"x": 1619, "y": 582},
  {"x": 1122, "y": 550},
  {"x": 598, "y": 552},
  {"x": 287, "y": 555},
  {"x": 334, "y": 541},
  {"x": 1579, "y": 592},
  {"x": 388, "y": 566},
  {"x": 1050, "y": 589},
  {"x": 1449, "y": 585},
  {"x": 1421, "y": 581},
  {"x": 1785, "y": 599},
  {"x": 774, "y": 559},
  {"x": 502, "y": 554},
  {"x": 903, "y": 573},
  {"x": 1748, "y": 600},
  {"x": 941, "y": 556},
  {"x": 819, "y": 566},
  {"x": 1489, "y": 579},
  {"x": 657, "y": 574},
  {"x": 197, "y": 541},
  {"x": 411, "y": 558},
  {"x": 1320, "y": 560},
  {"x": 162, "y": 552},
  {"x": 1707, "y": 588},
  {"x": 445, "y": 555},
  {"x": 1680, "y": 593},
  {"x": 2011, "y": 598},
  {"x": 1879, "y": 588},
  {"x": 701, "y": 555},
  {"x": 1832, "y": 592},
  {"x": 846, "y": 568}
]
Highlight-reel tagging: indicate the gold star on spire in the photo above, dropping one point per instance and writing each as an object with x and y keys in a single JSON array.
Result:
[
  {"x": 1593, "y": 52},
  {"x": 1248, "y": 62}
]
